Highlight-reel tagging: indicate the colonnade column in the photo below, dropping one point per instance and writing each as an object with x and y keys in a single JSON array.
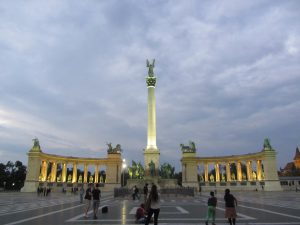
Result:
[
  {"x": 44, "y": 170},
  {"x": 228, "y": 174},
  {"x": 74, "y": 176},
  {"x": 85, "y": 173},
  {"x": 239, "y": 171},
  {"x": 64, "y": 172},
  {"x": 217, "y": 169},
  {"x": 53, "y": 171},
  {"x": 206, "y": 172},
  {"x": 258, "y": 169},
  {"x": 96, "y": 179},
  {"x": 249, "y": 171}
]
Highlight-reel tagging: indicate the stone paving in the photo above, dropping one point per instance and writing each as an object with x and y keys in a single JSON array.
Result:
[{"x": 254, "y": 208}]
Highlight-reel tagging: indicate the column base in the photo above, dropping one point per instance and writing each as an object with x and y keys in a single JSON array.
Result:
[{"x": 30, "y": 186}]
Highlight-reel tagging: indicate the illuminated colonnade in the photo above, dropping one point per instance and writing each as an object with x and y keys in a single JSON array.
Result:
[
  {"x": 239, "y": 171},
  {"x": 43, "y": 167}
]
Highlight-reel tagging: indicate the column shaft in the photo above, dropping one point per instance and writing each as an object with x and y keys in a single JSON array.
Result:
[
  {"x": 228, "y": 174},
  {"x": 239, "y": 171},
  {"x": 74, "y": 176}
]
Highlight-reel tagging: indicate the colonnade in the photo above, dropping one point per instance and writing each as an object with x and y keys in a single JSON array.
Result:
[
  {"x": 220, "y": 174},
  {"x": 38, "y": 169},
  {"x": 231, "y": 170},
  {"x": 53, "y": 176}
]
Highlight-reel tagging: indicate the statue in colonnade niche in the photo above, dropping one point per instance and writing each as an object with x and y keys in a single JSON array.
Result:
[
  {"x": 91, "y": 180},
  {"x": 223, "y": 177},
  {"x": 80, "y": 179},
  {"x": 212, "y": 178},
  {"x": 254, "y": 175},
  {"x": 70, "y": 178},
  {"x": 232, "y": 176}
]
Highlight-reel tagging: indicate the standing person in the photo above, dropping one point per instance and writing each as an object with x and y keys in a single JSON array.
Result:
[
  {"x": 153, "y": 205},
  {"x": 136, "y": 193},
  {"x": 87, "y": 200},
  {"x": 96, "y": 200},
  {"x": 211, "y": 210},
  {"x": 81, "y": 192},
  {"x": 230, "y": 204},
  {"x": 145, "y": 192}
]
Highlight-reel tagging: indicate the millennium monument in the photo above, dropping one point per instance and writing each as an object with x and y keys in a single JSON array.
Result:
[
  {"x": 151, "y": 153},
  {"x": 254, "y": 171}
]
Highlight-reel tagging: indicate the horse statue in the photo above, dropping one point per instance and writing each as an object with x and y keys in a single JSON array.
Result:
[
  {"x": 191, "y": 148},
  {"x": 112, "y": 150}
]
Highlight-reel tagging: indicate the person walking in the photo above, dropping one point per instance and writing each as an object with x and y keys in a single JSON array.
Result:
[
  {"x": 153, "y": 205},
  {"x": 96, "y": 200},
  {"x": 211, "y": 208},
  {"x": 230, "y": 204},
  {"x": 87, "y": 199},
  {"x": 81, "y": 192}
]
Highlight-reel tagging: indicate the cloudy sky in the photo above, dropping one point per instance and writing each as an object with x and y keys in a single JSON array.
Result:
[{"x": 72, "y": 74}]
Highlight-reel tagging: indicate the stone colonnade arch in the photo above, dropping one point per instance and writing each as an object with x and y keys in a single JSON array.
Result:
[
  {"x": 42, "y": 168},
  {"x": 253, "y": 171}
]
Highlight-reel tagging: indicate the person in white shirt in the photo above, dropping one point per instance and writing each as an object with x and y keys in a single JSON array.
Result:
[{"x": 153, "y": 205}]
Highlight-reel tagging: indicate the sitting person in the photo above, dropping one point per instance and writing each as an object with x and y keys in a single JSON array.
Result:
[{"x": 140, "y": 214}]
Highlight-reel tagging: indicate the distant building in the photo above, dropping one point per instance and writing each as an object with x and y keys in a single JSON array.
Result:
[{"x": 292, "y": 168}]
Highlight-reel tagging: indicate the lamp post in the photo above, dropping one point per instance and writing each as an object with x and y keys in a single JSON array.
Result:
[{"x": 124, "y": 167}]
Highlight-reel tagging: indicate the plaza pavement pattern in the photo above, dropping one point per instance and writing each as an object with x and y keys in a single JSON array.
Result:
[{"x": 254, "y": 208}]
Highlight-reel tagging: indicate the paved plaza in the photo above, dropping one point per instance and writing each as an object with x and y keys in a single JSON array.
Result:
[{"x": 254, "y": 208}]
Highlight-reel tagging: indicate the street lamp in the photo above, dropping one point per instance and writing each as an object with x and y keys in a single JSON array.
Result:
[{"x": 124, "y": 167}]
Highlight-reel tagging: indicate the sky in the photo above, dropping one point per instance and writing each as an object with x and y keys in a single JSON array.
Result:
[{"x": 72, "y": 74}]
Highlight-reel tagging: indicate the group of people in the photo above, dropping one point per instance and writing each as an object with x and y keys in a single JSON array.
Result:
[
  {"x": 151, "y": 206},
  {"x": 230, "y": 207},
  {"x": 92, "y": 197},
  {"x": 43, "y": 191}
]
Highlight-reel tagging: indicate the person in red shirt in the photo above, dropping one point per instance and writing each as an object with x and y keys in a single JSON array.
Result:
[{"x": 140, "y": 214}]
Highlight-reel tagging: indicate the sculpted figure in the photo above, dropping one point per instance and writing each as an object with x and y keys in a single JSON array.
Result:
[
  {"x": 150, "y": 66},
  {"x": 152, "y": 168},
  {"x": 267, "y": 143}
]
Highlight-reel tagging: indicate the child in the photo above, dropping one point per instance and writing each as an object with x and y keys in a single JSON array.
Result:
[{"x": 211, "y": 210}]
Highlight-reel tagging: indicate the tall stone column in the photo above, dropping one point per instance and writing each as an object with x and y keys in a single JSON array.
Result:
[
  {"x": 74, "y": 176},
  {"x": 206, "y": 172},
  {"x": 64, "y": 172},
  {"x": 151, "y": 153},
  {"x": 249, "y": 171},
  {"x": 44, "y": 170},
  {"x": 258, "y": 170},
  {"x": 85, "y": 173},
  {"x": 228, "y": 174},
  {"x": 53, "y": 171},
  {"x": 239, "y": 171},
  {"x": 217, "y": 169},
  {"x": 96, "y": 179}
]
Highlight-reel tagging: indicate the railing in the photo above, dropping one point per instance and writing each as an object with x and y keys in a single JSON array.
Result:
[
  {"x": 186, "y": 191},
  {"x": 121, "y": 192}
]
